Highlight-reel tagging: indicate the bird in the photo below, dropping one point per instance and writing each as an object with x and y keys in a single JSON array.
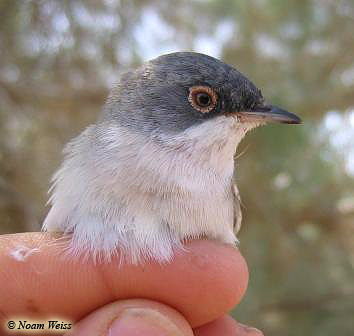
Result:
[{"x": 157, "y": 168}]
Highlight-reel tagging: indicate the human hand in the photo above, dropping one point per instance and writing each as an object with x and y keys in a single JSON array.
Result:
[{"x": 191, "y": 294}]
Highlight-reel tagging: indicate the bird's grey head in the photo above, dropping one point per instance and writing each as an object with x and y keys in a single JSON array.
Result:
[{"x": 177, "y": 91}]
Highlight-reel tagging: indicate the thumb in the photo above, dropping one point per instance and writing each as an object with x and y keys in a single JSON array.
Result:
[{"x": 133, "y": 318}]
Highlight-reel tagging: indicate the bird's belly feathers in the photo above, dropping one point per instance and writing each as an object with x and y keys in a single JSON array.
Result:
[
  {"x": 146, "y": 225},
  {"x": 143, "y": 205}
]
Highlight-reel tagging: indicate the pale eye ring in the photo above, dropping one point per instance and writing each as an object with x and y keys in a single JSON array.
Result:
[{"x": 202, "y": 98}]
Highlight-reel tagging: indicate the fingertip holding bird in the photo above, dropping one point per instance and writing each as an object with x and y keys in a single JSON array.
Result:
[
  {"x": 149, "y": 318},
  {"x": 133, "y": 317},
  {"x": 203, "y": 282},
  {"x": 226, "y": 325}
]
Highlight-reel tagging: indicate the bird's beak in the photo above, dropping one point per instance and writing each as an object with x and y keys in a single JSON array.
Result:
[{"x": 269, "y": 113}]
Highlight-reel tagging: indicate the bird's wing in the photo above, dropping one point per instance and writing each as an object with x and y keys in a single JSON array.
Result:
[{"x": 237, "y": 206}]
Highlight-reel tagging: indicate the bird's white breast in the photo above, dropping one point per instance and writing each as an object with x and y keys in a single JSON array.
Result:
[{"x": 144, "y": 196}]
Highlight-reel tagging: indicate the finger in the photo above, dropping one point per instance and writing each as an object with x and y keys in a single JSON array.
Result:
[
  {"x": 226, "y": 325},
  {"x": 202, "y": 283},
  {"x": 131, "y": 318}
]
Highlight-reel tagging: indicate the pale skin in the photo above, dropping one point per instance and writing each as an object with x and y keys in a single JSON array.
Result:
[{"x": 190, "y": 296}]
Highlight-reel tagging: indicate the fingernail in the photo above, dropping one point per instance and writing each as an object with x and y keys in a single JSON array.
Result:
[
  {"x": 250, "y": 331},
  {"x": 143, "y": 321}
]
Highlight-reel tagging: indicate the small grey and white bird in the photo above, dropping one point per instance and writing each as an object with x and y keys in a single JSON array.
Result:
[{"x": 157, "y": 168}]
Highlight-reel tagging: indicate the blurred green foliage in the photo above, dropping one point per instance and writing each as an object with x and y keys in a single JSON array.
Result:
[{"x": 59, "y": 58}]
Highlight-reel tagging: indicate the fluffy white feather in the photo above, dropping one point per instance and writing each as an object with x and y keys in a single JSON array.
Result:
[{"x": 122, "y": 191}]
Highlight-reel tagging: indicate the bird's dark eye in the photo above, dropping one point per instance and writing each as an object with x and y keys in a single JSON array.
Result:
[{"x": 202, "y": 98}]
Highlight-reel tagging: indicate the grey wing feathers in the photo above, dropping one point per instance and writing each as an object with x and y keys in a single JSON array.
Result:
[{"x": 237, "y": 207}]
